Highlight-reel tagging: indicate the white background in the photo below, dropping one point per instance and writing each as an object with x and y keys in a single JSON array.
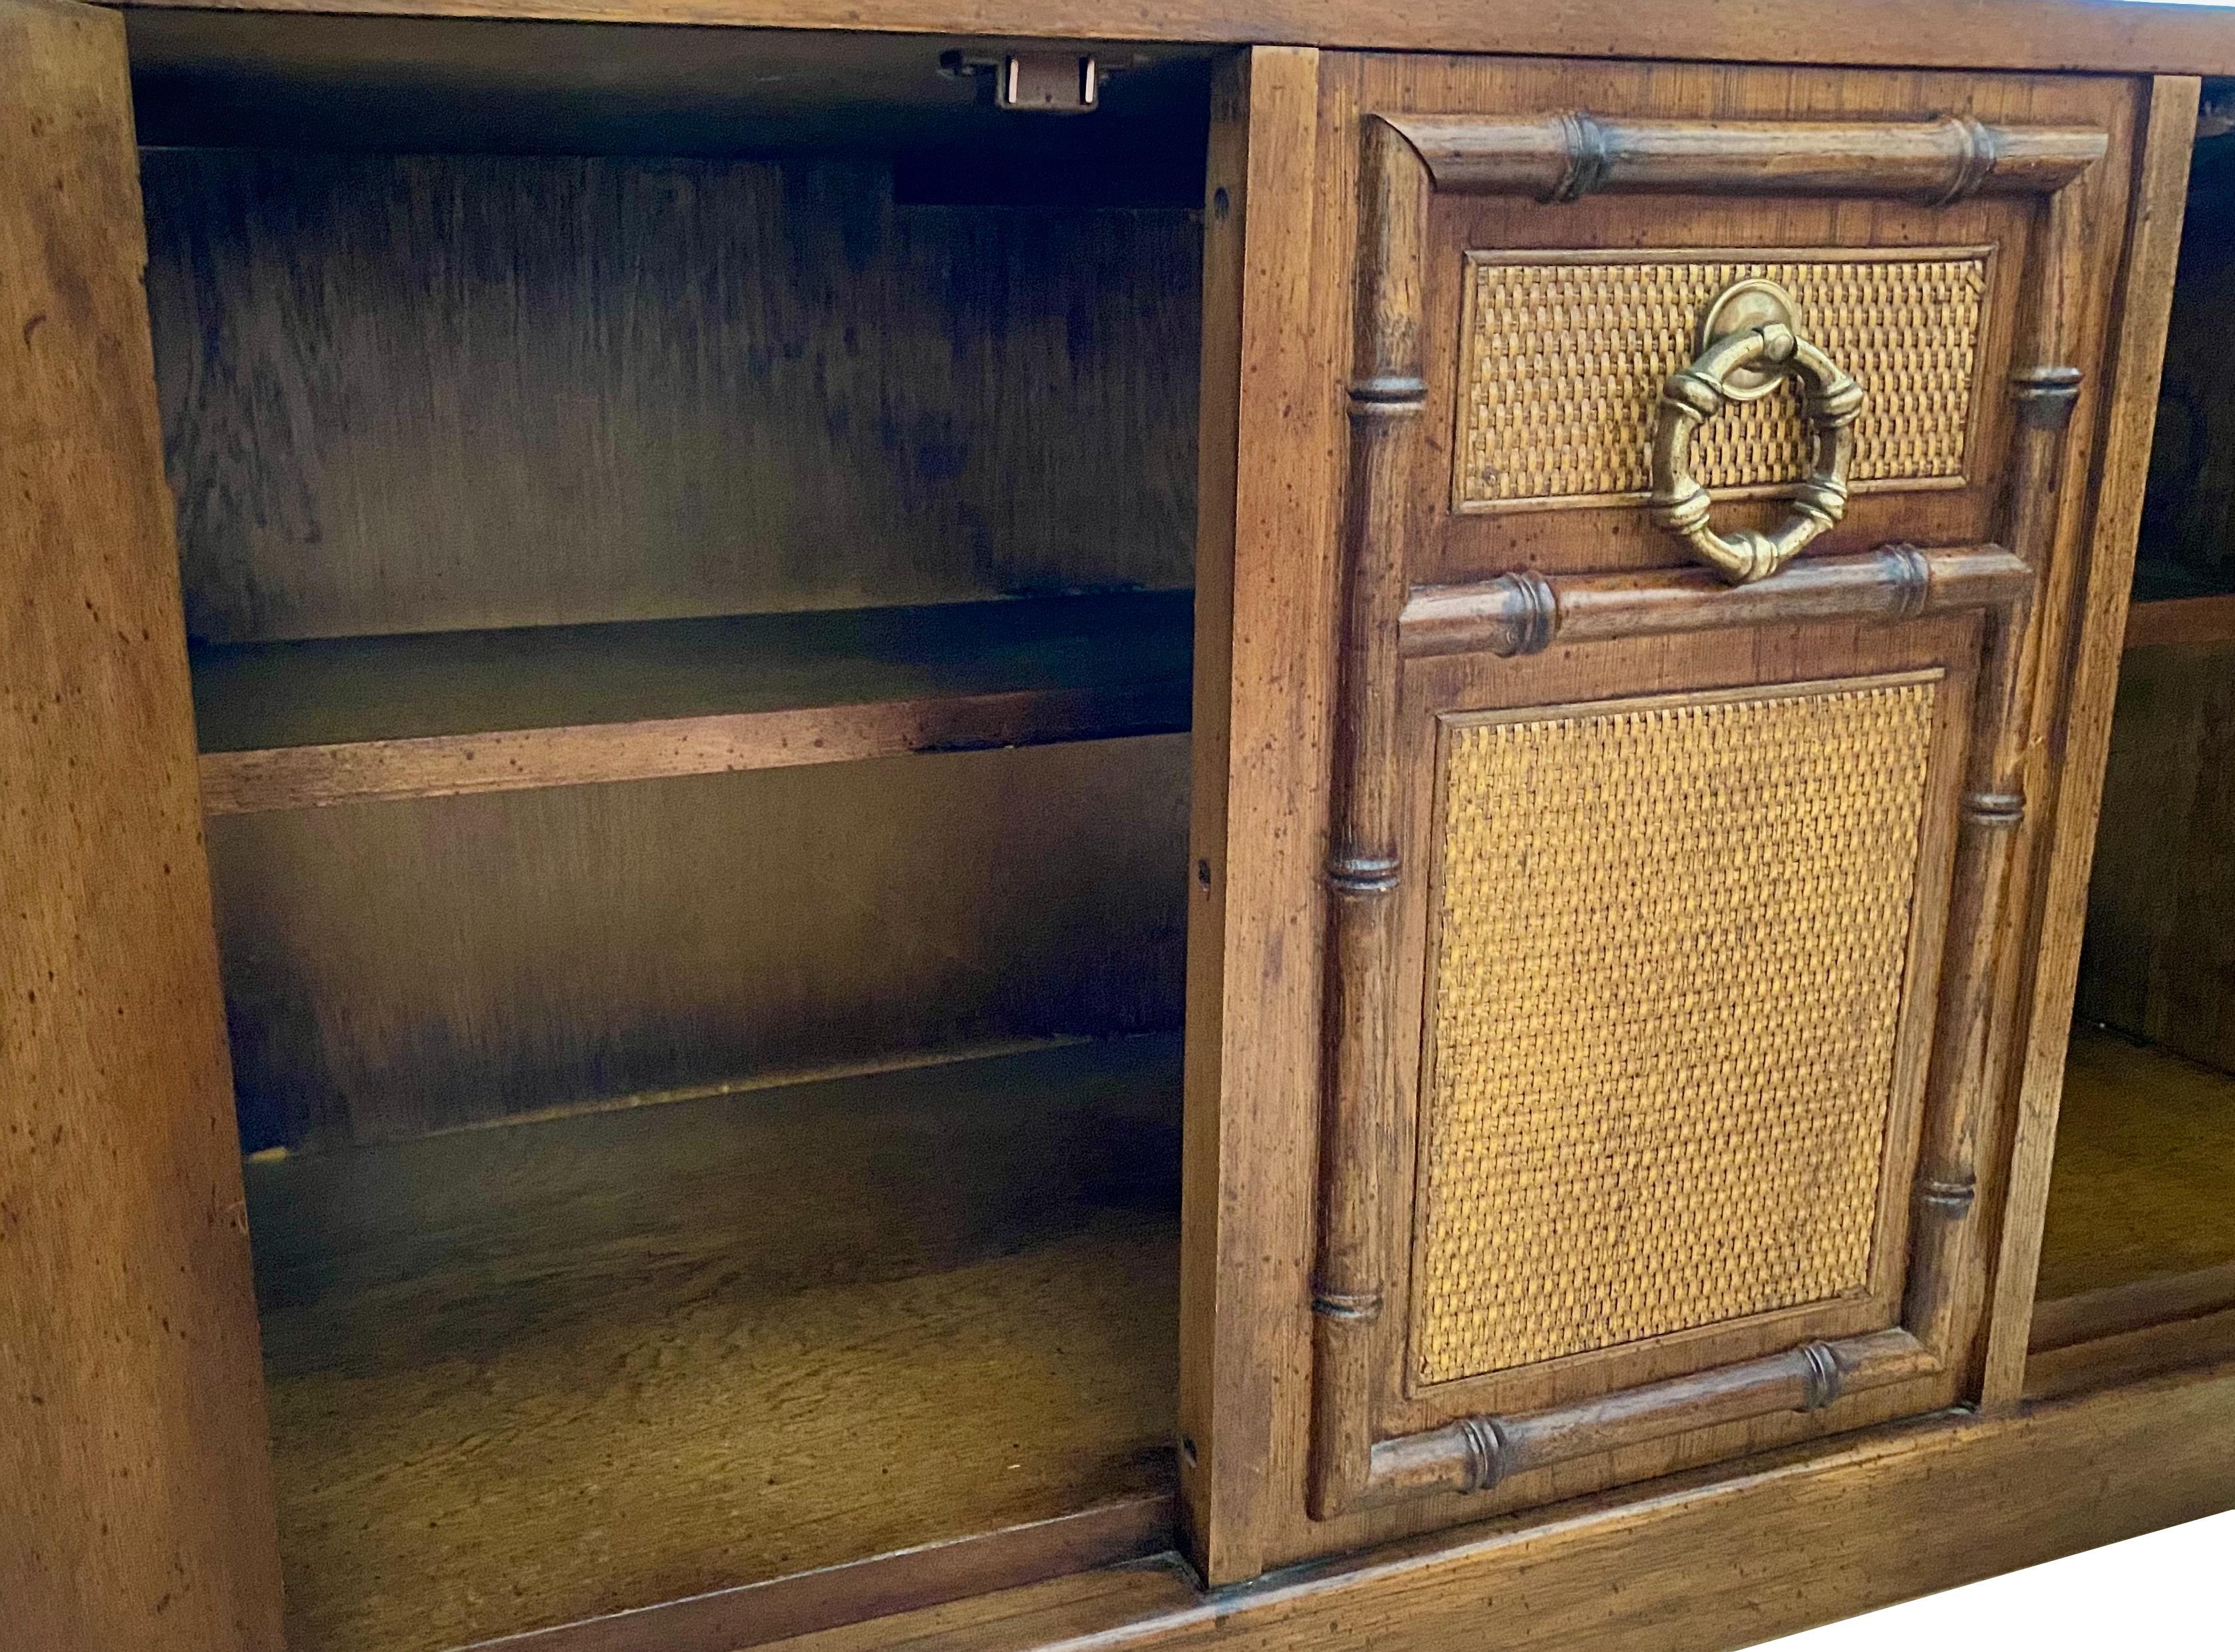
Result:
[{"x": 2168, "y": 1592}]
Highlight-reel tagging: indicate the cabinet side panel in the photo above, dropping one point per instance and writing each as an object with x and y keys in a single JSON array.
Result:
[
  {"x": 134, "y": 1490},
  {"x": 2089, "y": 675},
  {"x": 1264, "y": 584}
]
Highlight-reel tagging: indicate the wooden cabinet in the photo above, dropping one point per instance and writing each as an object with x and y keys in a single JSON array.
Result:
[{"x": 853, "y": 868}]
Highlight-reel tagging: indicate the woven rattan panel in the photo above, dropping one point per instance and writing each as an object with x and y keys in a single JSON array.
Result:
[
  {"x": 1564, "y": 361},
  {"x": 1671, "y": 944}
]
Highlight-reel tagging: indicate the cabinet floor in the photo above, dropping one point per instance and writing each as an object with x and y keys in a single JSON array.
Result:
[
  {"x": 531, "y": 1373},
  {"x": 2144, "y": 1184}
]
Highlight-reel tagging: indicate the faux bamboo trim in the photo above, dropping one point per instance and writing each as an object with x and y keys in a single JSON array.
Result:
[
  {"x": 1562, "y": 156},
  {"x": 1526, "y": 612},
  {"x": 1556, "y": 157},
  {"x": 1387, "y": 392},
  {"x": 1970, "y": 1038},
  {"x": 1475, "y": 1453}
]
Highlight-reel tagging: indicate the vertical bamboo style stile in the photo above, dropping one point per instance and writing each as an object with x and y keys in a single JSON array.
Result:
[
  {"x": 1923, "y": 1345},
  {"x": 1387, "y": 394},
  {"x": 2088, "y": 662}
]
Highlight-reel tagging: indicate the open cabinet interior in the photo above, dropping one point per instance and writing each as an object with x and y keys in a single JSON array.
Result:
[
  {"x": 2140, "y": 1234},
  {"x": 687, "y": 540}
]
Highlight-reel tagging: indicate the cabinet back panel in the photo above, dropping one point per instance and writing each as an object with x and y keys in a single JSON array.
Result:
[
  {"x": 427, "y": 393},
  {"x": 2187, "y": 546},
  {"x": 393, "y": 968}
]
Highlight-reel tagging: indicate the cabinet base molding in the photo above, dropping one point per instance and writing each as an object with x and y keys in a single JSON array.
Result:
[{"x": 1696, "y": 1561}]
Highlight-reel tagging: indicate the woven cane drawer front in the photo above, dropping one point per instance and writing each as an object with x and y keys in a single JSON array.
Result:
[
  {"x": 1671, "y": 938},
  {"x": 1563, "y": 356}
]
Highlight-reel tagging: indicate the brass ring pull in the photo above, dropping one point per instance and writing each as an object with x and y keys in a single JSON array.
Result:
[{"x": 1749, "y": 342}]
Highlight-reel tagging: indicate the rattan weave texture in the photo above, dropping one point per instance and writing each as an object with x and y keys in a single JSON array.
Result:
[
  {"x": 1671, "y": 943},
  {"x": 1564, "y": 364}
]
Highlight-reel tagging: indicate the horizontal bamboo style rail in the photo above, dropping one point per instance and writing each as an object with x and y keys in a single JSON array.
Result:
[
  {"x": 1524, "y": 613},
  {"x": 1565, "y": 156}
]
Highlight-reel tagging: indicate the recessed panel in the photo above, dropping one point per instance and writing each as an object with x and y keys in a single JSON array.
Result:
[
  {"x": 1665, "y": 1000},
  {"x": 1563, "y": 356}
]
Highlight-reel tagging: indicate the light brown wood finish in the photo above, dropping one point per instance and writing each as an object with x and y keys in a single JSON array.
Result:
[
  {"x": 525, "y": 1374},
  {"x": 1361, "y": 1453},
  {"x": 135, "y": 1502},
  {"x": 396, "y": 966},
  {"x": 2114, "y": 1310},
  {"x": 303, "y": 724},
  {"x": 1566, "y": 155},
  {"x": 2144, "y": 1184},
  {"x": 1801, "y": 1539},
  {"x": 1271, "y": 1528},
  {"x": 1975, "y": 33},
  {"x": 1568, "y": 1425},
  {"x": 2181, "y": 621},
  {"x": 729, "y": 1620},
  {"x": 1263, "y": 611},
  {"x": 1386, "y": 395},
  {"x": 2157, "y": 948},
  {"x": 454, "y": 392},
  {"x": 1526, "y": 612},
  {"x": 2131, "y": 1356},
  {"x": 2078, "y": 666}
]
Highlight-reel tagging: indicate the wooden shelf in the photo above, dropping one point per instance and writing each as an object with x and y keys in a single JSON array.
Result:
[
  {"x": 2181, "y": 621},
  {"x": 295, "y": 725},
  {"x": 525, "y": 1374},
  {"x": 2142, "y": 1203}
]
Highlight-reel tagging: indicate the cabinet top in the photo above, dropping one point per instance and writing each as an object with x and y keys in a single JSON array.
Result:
[{"x": 2120, "y": 36}]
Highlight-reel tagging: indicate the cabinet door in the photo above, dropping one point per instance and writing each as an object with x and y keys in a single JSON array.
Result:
[
  {"x": 134, "y": 1493},
  {"x": 1706, "y": 442}
]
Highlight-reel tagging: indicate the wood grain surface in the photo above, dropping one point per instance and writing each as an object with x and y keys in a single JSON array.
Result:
[
  {"x": 439, "y": 393},
  {"x": 527, "y": 1373},
  {"x": 1264, "y": 1411},
  {"x": 135, "y": 1499},
  {"x": 752, "y": 1615},
  {"x": 2151, "y": 1350},
  {"x": 2171, "y": 622},
  {"x": 291, "y": 724},
  {"x": 2145, "y": 1179},
  {"x": 1264, "y": 616},
  {"x": 2076, "y": 702},
  {"x": 1697, "y": 1562},
  {"x": 397, "y": 967},
  {"x": 2158, "y": 960},
  {"x": 2188, "y": 517},
  {"x": 1967, "y": 34}
]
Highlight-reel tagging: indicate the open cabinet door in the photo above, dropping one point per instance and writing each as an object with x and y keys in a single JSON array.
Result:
[{"x": 136, "y": 1507}]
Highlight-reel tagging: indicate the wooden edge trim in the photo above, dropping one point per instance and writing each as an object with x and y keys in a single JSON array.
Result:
[
  {"x": 1387, "y": 393},
  {"x": 1565, "y": 156},
  {"x": 2116, "y": 1309},
  {"x": 1475, "y": 1453},
  {"x": 2087, "y": 665},
  {"x": 1793, "y": 1539},
  {"x": 2145, "y": 1352},
  {"x": 447, "y": 765},
  {"x": 730, "y": 1620},
  {"x": 2015, "y": 35},
  {"x": 2182, "y": 621},
  {"x": 1525, "y": 613}
]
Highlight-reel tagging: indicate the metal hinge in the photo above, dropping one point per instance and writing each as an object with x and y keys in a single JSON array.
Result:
[{"x": 1052, "y": 82}]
